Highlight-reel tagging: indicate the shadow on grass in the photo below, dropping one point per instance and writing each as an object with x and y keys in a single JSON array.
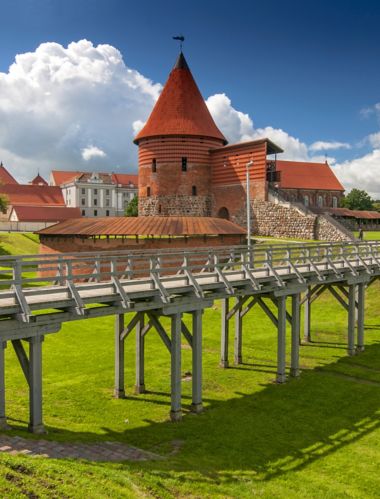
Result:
[{"x": 273, "y": 431}]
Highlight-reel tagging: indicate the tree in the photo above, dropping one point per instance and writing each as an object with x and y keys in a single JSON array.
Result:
[
  {"x": 358, "y": 200},
  {"x": 376, "y": 205},
  {"x": 132, "y": 209},
  {"x": 3, "y": 203}
]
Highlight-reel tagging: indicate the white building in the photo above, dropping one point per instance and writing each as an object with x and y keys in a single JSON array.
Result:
[{"x": 96, "y": 194}]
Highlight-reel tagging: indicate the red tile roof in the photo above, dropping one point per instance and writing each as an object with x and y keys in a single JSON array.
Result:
[
  {"x": 304, "y": 175},
  {"x": 125, "y": 178},
  {"x": 180, "y": 109},
  {"x": 345, "y": 212},
  {"x": 157, "y": 226},
  {"x": 35, "y": 195},
  {"x": 45, "y": 213},
  {"x": 61, "y": 177},
  {"x": 38, "y": 180},
  {"x": 5, "y": 177}
]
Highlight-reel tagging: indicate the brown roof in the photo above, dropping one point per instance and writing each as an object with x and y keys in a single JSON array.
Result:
[
  {"x": 38, "y": 180},
  {"x": 305, "y": 175},
  {"x": 45, "y": 213},
  {"x": 5, "y": 177},
  {"x": 145, "y": 226},
  {"x": 180, "y": 109},
  {"x": 345, "y": 212},
  {"x": 61, "y": 177},
  {"x": 126, "y": 178},
  {"x": 37, "y": 195}
]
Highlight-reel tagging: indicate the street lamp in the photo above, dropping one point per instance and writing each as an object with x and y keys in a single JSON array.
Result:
[{"x": 248, "y": 166}]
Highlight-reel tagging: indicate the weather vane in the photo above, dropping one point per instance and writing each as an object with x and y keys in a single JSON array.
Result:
[{"x": 181, "y": 39}]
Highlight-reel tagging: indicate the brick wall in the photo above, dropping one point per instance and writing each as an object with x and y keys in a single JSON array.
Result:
[
  {"x": 298, "y": 195},
  {"x": 171, "y": 189}
]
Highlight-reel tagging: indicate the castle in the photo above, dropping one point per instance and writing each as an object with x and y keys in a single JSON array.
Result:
[{"x": 193, "y": 183}]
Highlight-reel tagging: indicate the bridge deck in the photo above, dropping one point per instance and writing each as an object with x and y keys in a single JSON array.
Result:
[{"x": 41, "y": 292}]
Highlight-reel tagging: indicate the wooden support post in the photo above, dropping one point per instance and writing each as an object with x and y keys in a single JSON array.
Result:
[
  {"x": 238, "y": 358},
  {"x": 196, "y": 405},
  {"x": 351, "y": 319},
  {"x": 119, "y": 391},
  {"x": 140, "y": 356},
  {"x": 295, "y": 353},
  {"x": 35, "y": 385},
  {"x": 3, "y": 418},
  {"x": 281, "y": 340},
  {"x": 307, "y": 317},
  {"x": 176, "y": 412},
  {"x": 225, "y": 333},
  {"x": 360, "y": 323}
]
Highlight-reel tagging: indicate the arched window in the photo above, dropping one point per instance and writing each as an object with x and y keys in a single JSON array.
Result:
[
  {"x": 335, "y": 202},
  {"x": 148, "y": 191},
  {"x": 306, "y": 200},
  {"x": 223, "y": 213},
  {"x": 154, "y": 165},
  {"x": 319, "y": 201},
  {"x": 194, "y": 190},
  {"x": 184, "y": 164}
]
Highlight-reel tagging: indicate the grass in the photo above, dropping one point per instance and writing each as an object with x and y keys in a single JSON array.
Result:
[
  {"x": 370, "y": 235},
  {"x": 316, "y": 436},
  {"x": 18, "y": 244}
]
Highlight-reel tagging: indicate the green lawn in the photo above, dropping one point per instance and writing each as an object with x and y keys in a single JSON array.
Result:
[
  {"x": 370, "y": 235},
  {"x": 317, "y": 436},
  {"x": 18, "y": 244}
]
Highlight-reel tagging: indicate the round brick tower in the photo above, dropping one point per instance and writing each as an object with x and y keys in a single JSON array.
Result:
[{"x": 174, "y": 145}]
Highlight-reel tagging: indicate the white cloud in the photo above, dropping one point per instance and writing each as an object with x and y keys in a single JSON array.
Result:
[
  {"x": 57, "y": 101},
  {"x": 238, "y": 127},
  {"x": 363, "y": 173},
  {"x": 321, "y": 145},
  {"x": 92, "y": 152},
  {"x": 235, "y": 125},
  {"x": 374, "y": 139}
]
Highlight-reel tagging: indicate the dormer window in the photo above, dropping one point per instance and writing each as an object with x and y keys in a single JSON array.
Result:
[
  {"x": 154, "y": 165},
  {"x": 184, "y": 164}
]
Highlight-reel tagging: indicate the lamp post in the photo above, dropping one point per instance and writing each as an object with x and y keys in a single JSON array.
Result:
[{"x": 248, "y": 166}]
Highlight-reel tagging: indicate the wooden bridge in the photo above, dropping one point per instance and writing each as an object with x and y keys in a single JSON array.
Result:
[{"x": 40, "y": 292}]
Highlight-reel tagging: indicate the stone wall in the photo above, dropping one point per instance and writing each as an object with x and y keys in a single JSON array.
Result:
[
  {"x": 277, "y": 220},
  {"x": 178, "y": 205}
]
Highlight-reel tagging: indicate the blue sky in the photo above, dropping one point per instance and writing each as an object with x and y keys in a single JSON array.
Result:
[{"x": 308, "y": 68}]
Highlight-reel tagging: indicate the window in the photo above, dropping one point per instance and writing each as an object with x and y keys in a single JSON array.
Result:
[
  {"x": 83, "y": 191},
  {"x": 194, "y": 190},
  {"x": 83, "y": 201},
  {"x": 306, "y": 200},
  {"x": 95, "y": 213},
  {"x": 95, "y": 202},
  {"x": 320, "y": 201},
  {"x": 107, "y": 202},
  {"x": 95, "y": 192},
  {"x": 154, "y": 165},
  {"x": 148, "y": 191},
  {"x": 107, "y": 213},
  {"x": 107, "y": 192},
  {"x": 83, "y": 213},
  {"x": 335, "y": 202},
  {"x": 184, "y": 164}
]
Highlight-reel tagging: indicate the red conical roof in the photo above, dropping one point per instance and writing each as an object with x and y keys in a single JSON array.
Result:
[{"x": 180, "y": 109}]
